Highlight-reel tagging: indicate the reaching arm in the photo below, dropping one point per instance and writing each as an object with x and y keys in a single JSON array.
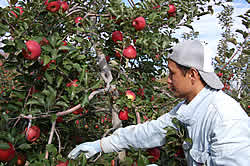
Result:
[{"x": 146, "y": 135}]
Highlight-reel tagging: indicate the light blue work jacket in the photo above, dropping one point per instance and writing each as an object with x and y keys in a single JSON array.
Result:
[{"x": 216, "y": 123}]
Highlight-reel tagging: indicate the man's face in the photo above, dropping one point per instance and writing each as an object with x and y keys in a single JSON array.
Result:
[{"x": 179, "y": 84}]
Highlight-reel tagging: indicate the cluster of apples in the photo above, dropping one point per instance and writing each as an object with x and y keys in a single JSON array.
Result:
[
  {"x": 123, "y": 114},
  {"x": 129, "y": 52},
  {"x": 7, "y": 154},
  {"x": 139, "y": 24}
]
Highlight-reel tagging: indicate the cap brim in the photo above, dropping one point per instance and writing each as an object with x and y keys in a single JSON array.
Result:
[{"x": 211, "y": 79}]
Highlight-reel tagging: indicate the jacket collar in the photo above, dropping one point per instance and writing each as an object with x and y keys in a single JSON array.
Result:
[{"x": 186, "y": 112}]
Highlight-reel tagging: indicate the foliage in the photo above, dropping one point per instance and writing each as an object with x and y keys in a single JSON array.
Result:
[{"x": 232, "y": 59}]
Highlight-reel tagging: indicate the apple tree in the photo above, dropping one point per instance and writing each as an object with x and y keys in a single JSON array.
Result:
[
  {"x": 81, "y": 69},
  {"x": 232, "y": 59}
]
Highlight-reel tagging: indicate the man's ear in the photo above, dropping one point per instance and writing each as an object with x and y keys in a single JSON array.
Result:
[{"x": 194, "y": 74}]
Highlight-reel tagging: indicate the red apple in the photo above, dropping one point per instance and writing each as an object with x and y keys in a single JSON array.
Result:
[
  {"x": 48, "y": 65},
  {"x": 65, "y": 43},
  {"x": 179, "y": 153},
  {"x": 61, "y": 163},
  {"x": 76, "y": 112},
  {"x": 33, "y": 133},
  {"x": 123, "y": 115},
  {"x": 220, "y": 74},
  {"x": 117, "y": 35},
  {"x": 156, "y": 7},
  {"x": 130, "y": 95},
  {"x": 117, "y": 54},
  {"x": 107, "y": 58},
  {"x": 64, "y": 6},
  {"x": 172, "y": 9},
  {"x": 21, "y": 159},
  {"x": 139, "y": 23},
  {"x": 53, "y": 6},
  {"x": 20, "y": 11},
  {"x": 44, "y": 41},
  {"x": 46, "y": 2},
  {"x": 34, "y": 50},
  {"x": 59, "y": 119},
  {"x": 129, "y": 52},
  {"x": 7, "y": 154},
  {"x": 140, "y": 92},
  {"x": 155, "y": 152},
  {"x": 77, "y": 19},
  {"x": 72, "y": 83},
  {"x": 33, "y": 90}
]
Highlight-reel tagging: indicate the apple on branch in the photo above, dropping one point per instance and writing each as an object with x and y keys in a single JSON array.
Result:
[
  {"x": 64, "y": 6},
  {"x": 123, "y": 115},
  {"x": 33, "y": 133},
  {"x": 20, "y": 11},
  {"x": 129, "y": 52},
  {"x": 21, "y": 159},
  {"x": 117, "y": 35},
  {"x": 155, "y": 153},
  {"x": 33, "y": 50},
  {"x": 53, "y": 6},
  {"x": 7, "y": 154},
  {"x": 61, "y": 163},
  {"x": 130, "y": 95},
  {"x": 78, "y": 19},
  {"x": 139, "y": 23}
]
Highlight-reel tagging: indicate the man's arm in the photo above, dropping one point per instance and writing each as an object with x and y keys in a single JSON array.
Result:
[{"x": 146, "y": 135}]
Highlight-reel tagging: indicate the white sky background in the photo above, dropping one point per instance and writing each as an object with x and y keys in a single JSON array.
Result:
[{"x": 208, "y": 27}]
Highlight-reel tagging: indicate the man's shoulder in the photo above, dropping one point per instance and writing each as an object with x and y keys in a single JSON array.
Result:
[{"x": 225, "y": 106}]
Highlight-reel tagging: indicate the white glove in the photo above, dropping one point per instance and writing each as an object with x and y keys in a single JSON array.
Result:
[{"x": 88, "y": 148}]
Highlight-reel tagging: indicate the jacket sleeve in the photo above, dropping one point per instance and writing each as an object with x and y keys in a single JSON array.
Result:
[{"x": 146, "y": 135}]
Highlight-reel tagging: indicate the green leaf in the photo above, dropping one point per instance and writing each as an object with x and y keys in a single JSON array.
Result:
[
  {"x": 46, "y": 60},
  {"x": 85, "y": 101},
  {"x": 49, "y": 77},
  {"x": 59, "y": 81},
  {"x": 4, "y": 146},
  {"x": 64, "y": 48},
  {"x": 62, "y": 103},
  {"x": 83, "y": 73},
  {"x": 51, "y": 148},
  {"x": 189, "y": 26},
  {"x": 33, "y": 101},
  {"x": 24, "y": 146},
  {"x": 13, "y": 2}
]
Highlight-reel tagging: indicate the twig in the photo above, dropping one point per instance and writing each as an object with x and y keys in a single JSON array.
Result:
[
  {"x": 57, "y": 114},
  {"x": 130, "y": 3},
  {"x": 59, "y": 141},
  {"x": 133, "y": 2},
  {"x": 50, "y": 138},
  {"x": 235, "y": 53},
  {"x": 138, "y": 118}
]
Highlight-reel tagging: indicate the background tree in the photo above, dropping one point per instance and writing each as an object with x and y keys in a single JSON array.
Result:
[{"x": 232, "y": 61}]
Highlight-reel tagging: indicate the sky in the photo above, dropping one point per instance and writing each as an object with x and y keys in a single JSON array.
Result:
[{"x": 208, "y": 27}]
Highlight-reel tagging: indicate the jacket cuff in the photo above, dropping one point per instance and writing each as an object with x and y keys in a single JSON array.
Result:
[{"x": 106, "y": 145}]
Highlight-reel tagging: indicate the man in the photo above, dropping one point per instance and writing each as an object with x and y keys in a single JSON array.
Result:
[{"x": 218, "y": 126}]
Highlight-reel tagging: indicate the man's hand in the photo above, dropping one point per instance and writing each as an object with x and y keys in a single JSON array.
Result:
[{"x": 88, "y": 148}]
